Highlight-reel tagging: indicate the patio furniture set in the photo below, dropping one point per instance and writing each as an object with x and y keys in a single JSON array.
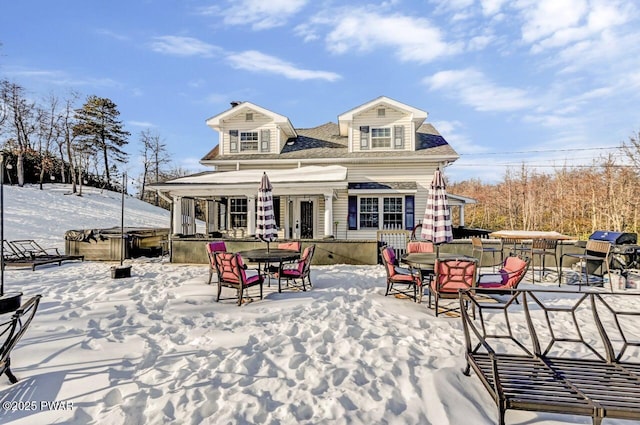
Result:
[
  {"x": 444, "y": 274},
  {"x": 287, "y": 263}
]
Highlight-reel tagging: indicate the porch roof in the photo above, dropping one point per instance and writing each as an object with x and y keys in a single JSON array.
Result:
[{"x": 287, "y": 181}]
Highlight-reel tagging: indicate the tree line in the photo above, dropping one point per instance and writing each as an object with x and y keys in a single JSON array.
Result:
[
  {"x": 572, "y": 200},
  {"x": 57, "y": 139}
]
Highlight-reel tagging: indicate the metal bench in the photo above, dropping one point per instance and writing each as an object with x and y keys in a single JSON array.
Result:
[{"x": 531, "y": 371}]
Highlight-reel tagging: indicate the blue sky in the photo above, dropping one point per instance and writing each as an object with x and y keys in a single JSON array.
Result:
[{"x": 545, "y": 82}]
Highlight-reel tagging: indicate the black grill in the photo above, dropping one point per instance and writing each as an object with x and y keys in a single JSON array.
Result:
[
  {"x": 615, "y": 238},
  {"x": 625, "y": 251}
]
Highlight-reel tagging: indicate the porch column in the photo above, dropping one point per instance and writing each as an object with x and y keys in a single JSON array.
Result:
[
  {"x": 461, "y": 215},
  {"x": 251, "y": 215},
  {"x": 328, "y": 215},
  {"x": 177, "y": 214},
  {"x": 215, "y": 218}
]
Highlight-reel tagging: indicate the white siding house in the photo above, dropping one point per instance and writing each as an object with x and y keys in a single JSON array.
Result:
[{"x": 370, "y": 171}]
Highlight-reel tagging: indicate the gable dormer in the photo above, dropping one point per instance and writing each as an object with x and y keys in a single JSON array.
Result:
[
  {"x": 381, "y": 124},
  {"x": 249, "y": 129}
]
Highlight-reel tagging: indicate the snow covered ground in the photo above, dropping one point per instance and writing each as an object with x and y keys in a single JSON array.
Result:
[{"x": 156, "y": 348}]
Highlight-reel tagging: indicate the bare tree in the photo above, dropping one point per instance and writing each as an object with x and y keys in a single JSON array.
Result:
[
  {"x": 20, "y": 122},
  {"x": 154, "y": 156},
  {"x": 48, "y": 131}
]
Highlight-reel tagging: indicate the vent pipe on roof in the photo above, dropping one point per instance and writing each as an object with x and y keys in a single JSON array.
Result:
[{"x": 235, "y": 103}]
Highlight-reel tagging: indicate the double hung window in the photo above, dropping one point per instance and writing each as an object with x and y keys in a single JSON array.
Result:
[
  {"x": 238, "y": 212},
  {"x": 380, "y": 138},
  {"x": 248, "y": 141}
]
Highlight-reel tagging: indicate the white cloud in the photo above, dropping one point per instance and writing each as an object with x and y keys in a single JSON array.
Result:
[
  {"x": 472, "y": 88},
  {"x": 411, "y": 39},
  {"x": 492, "y": 7},
  {"x": 542, "y": 18},
  {"x": 260, "y": 14},
  {"x": 453, "y": 133},
  {"x": 255, "y": 61},
  {"x": 144, "y": 124},
  {"x": 182, "y": 46}
]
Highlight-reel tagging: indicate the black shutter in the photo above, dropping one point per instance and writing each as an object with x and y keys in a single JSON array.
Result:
[
  {"x": 353, "y": 213},
  {"x": 233, "y": 140},
  {"x": 364, "y": 137},
  {"x": 409, "y": 212}
]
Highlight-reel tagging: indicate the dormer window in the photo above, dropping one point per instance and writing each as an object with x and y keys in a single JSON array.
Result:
[
  {"x": 381, "y": 112},
  {"x": 248, "y": 141},
  {"x": 380, "y": 138},
  {"x": 249, "y": 116}
]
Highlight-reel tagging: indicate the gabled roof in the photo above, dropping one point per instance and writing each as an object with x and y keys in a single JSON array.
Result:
[
  {"x": 325, "y": 142},
  {"x": 418, "y": 116},
  {"x": 215, "y": 122}
]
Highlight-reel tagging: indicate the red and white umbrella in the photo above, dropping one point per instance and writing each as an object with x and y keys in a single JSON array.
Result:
[
  {"x": 266, "y": 228},
  {"x": 436, "y": 226}
]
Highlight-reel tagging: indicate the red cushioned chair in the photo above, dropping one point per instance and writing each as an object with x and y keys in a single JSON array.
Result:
[
  {"x": 509, "y": 276},
  {"x": 293, "y": 246},
  {"x": 451, "y": 275},
  {"x": 416, "y": 246},
  {"x": 216, "y": 246},
  {"x": 407, "y": 279},
  {"x": 298, "y": 270},
  {"x": 233, "y": 273}
]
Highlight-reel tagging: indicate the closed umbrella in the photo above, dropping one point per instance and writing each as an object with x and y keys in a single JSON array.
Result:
[
  {"x": 436, "y": 226},
  {"x": 266, "y": 221}
]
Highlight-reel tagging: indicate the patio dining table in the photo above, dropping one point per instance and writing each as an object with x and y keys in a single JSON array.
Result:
[
  {"x": 266, "y": 257},
  {"x": 529, "y": 235}
]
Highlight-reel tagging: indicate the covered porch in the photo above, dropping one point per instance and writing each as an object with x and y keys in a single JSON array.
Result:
[{"x": 303, "y": 202}]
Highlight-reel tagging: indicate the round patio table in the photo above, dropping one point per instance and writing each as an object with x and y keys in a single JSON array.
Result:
[{"x": 270, "y": 256}]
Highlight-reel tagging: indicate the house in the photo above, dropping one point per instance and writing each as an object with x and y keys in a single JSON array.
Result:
[{"x": 368, "y": 172}]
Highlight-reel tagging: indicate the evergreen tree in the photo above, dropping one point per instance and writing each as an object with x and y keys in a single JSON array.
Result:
[{"x": 100, "y": 131}]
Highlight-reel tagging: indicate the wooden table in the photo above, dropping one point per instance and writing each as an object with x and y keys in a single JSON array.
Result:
[
  {"x": 529, "y": 235},
  {"x": 523, "y": 235}
]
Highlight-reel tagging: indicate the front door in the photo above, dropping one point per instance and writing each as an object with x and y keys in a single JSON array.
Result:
[{"x": 306, "y": 220}]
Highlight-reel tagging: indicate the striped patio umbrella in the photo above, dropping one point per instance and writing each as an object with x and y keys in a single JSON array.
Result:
[
  {"x": 436, "y": 226},
  {"x": 266, "y": 220}
]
